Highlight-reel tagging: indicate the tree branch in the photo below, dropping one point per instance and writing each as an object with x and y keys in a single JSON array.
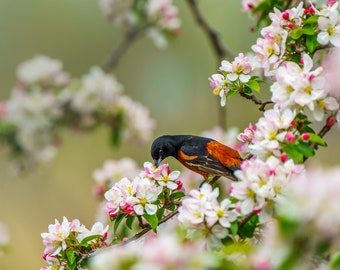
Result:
[
  {"x": 148, "y": 227},
  {"x": 257, "y": 101},
  {"x": 130, "y": 36},
  {"x": 331, "y": 120},
  {"x": 220, "y": 51}
]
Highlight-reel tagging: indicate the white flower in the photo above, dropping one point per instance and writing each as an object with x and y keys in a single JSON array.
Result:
[{"x": 41, "y": 69}]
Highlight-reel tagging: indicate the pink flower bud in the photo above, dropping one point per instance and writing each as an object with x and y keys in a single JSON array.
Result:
[
  {"x": 256, "y": 210},
  {"x": 290, "y": 137},
  {"x": 291, "y": 25},
  {"x": 330, "y": 121},
  {"x": 284, "y": 157},
  {"x": 305, "y": 136},
  {"x": 285, "y": 16}
]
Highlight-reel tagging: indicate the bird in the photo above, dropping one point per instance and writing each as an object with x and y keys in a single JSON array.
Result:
[{"x": 202, "y": 155}]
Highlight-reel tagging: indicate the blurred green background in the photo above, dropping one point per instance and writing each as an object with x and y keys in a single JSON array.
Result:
[{"x": 172, "y": 83}]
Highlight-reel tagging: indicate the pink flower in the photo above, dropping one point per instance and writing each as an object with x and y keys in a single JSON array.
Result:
[
  {"x": 239, "y": 69},
  {"x": 329, "y": 26},
  {"x": 247, "y": 135},
  {"x": 167, "y": 178},
  {"x": 146, "y": 194}
]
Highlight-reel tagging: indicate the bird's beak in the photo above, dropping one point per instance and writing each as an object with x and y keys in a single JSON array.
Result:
[{"x": 157, "y": 161}]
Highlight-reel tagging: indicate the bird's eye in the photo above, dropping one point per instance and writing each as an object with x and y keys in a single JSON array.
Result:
[{"x": 160, "y": 152}]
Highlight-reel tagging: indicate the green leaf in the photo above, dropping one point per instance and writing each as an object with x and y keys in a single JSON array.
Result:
[
  {"x": 254, "y": 85},
  {"x": 247, "y": 230},
  {"x": 115, "y": 134},
  {"x": 307, "y": 129},
  {"x": 317, "y": 139},
  {"x": 306, "y": 149},
  {"x": 308, "y": 30},
  {"x": 231, "y": 92},
  {"x": 71, "y": 259},
  {"x": 84, "y": 242},
  {"x": 160, "y": 213},
  {"x": 129, "y": 221},
  {"x": 312, "y": 20},
  {"x": 177, "y": 195},
  {"x": 152, "y": 220},
  {"x": 287, "y": 225},
  {"x": 234, "y": 228},
  {"x": 335, "y": 261},
  {"x": 311, "y": 43},
  {"x": 296, "y": 33},
  {"x": 293, "y": 152},
  {"x": 118, "y": 220}
]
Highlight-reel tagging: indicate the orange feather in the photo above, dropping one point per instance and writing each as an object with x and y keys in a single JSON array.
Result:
[{"x": 226, "y": 155}]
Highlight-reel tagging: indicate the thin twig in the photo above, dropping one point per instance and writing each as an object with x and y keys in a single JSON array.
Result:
[
  {"x": 324, "y": 130},
  {"x": 148, "y": 228},
  {"x": 129, "y": 37},
  {"x": 257, "y": 101},
  {"x": 220, "y": 51}
]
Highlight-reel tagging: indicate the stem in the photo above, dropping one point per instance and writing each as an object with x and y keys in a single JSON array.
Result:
[
  {"x": 220, "y": 51},
  {"x": 324, "y": 130},
  {"x": 257, "y": 101},
  {"x": 148, "y": 227},
  {"x": 129, "y": 37}
]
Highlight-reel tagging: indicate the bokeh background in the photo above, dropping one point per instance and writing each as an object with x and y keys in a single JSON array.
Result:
[{"x": 172, "y": 83}]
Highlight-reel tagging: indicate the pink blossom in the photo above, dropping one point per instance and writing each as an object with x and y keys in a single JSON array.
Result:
[
  {"x": 248, "y": 5},
  {"x": 247, "y": 135},
  {"x": 42, "y": 69},
  {"x": 146, "y": 194},
  {"x": 328, "y": 24},
  {"x": 55, "y": 239},
  {"x": 261, "y": 185},
  {"x": 302, "y": 89},
  {"x": 239, "y": 69},
  {"x": 168, "y": 179}
]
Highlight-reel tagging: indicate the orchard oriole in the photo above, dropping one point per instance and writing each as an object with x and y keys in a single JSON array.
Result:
[{"x": 199, "y": 154}]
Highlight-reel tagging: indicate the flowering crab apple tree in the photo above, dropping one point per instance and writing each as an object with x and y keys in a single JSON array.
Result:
[{"x": 280, "y": 214}]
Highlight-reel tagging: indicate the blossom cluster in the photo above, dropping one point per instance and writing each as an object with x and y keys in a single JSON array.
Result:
[
  {"x": 202, "y": 212},
  {"x": 111, "y": 172},
  {"x": 261, "y": 186},
  {"x": 46, "y": 100},
  {"x": 167, "y": 250},
  {"x": 234, "y": 77},
  {"x": 302, "y": 89},
  {"x": 159, "y": 16},
  {"x": 301, "y": 94},
  {"x": 296, "y": 30},
  {"x": 66, "y": 242},
  {"x": 316, "y": 230},
  {"x": 147, "y": 195}
]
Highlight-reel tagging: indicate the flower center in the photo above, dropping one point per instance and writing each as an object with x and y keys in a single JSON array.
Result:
[{"x": 142, "y": 201}]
